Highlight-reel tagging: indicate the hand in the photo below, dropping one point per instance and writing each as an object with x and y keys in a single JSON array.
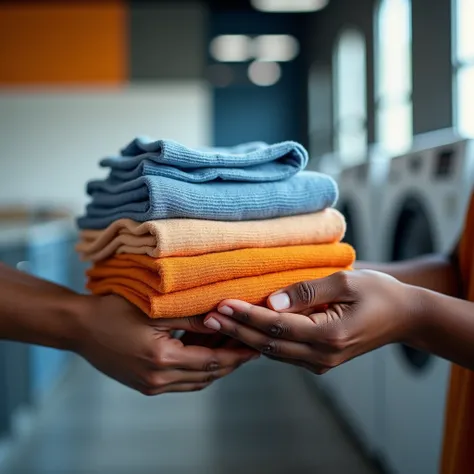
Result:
[
  {"x": 338, "y": 318},
  {"x": 120, "y": 341}
]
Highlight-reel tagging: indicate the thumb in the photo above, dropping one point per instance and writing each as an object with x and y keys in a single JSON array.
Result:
[
  {"x": 191, "y": 324},
  {"x": 312, "y": 294}
]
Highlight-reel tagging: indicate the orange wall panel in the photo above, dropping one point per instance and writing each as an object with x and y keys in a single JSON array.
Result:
[{"x": 63, "y": 43}]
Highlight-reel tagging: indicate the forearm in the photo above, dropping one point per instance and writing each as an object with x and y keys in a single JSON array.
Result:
[
  {"x": 446, "y": 326},
  {"x": 36, "y": 311},
  {"x": 433, "y": 272}
]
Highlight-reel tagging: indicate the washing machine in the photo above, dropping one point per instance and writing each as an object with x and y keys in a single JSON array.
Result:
[
  {"x": 354, "y": 388},
  {"x": 423, "y": 210}
]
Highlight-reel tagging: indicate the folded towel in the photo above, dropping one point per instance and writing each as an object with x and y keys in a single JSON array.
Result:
[
  {"x": 156, "y": 197},
  {"x": 251, "y": 162},
  {"x": 166, "y": 275},
  {"x": 188, "y": 237},
  {"x": 200, "y": 300}
]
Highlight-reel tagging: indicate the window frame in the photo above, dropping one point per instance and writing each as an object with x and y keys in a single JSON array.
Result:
[
  {"x": 458, "y": 65},
  {"x": 379, "y": 98},
  {"x": 361, "y": 120}
]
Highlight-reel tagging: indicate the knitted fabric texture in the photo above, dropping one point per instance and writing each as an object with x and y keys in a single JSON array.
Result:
[
  {"x": 188, "y": 237},
  {"x": 172, "y": 274},
  {"x": 250, "y": 162},
  {"x": 200, "y": 300},
  {"x": 156, "y": 197}
]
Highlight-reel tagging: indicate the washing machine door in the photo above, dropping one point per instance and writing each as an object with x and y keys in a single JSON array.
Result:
[
  {"x": 415, "y": 382},
  {"x": 413, "y": 238}
]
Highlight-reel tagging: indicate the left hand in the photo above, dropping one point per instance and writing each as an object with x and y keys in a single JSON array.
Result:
[
  {"x": 338, "y": 318},
  {"x": 119, "y": 340}
]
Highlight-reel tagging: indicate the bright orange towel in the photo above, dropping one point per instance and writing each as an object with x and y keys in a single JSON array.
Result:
[
  {"x": 170, "y": 274},
  {"x": 205, "y": 298},
  {"x": 188, "y": 237},
  {"x": 459, "y": 425}
]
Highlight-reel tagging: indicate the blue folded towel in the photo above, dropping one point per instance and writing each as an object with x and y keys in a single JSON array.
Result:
[
  {"x": 250, "y": 162},
  {"x": 158, "y": 197}
]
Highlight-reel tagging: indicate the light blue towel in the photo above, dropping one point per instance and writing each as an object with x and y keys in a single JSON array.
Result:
[
  {"x": 250, "y": 162},
  {"x": 157, "y": 197}
]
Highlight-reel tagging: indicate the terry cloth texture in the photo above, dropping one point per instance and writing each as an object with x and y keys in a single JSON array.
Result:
[
  {"x": 200, "y": 300},
  {"x": 188, "y": 237},
  {"x": 156, "y": 197},
  {"x": 166, "y": 275},
  {"x": 250, "y": 162}
]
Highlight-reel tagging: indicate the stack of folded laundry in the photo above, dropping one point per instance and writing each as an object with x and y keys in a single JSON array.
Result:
[{"x": 175, "y": 230}]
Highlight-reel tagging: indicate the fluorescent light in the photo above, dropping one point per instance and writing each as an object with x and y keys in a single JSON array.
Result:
[
  {"x": 278, "y": 48},
  {"x": 264, "y": 73},
  {"x": 289, "y": 5},
  {"x": 231, "y": 48}
]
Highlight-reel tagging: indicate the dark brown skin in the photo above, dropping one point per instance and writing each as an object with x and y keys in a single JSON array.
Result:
[
  {"x": 114, "y": 336},
  {"x": 323, "y": 323}
]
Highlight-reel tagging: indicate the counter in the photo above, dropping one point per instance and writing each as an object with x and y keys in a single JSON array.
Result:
[{"x": 46, "y": 249}]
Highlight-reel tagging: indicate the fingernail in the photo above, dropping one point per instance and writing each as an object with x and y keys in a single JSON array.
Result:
[
  {"x": 280, "y": 301},
  {"x": 212, "y": 323},
  {"x": 226, "y": 310}
]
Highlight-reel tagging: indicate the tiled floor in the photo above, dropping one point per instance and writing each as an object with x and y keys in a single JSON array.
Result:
[{"x": 262, "y": 419}]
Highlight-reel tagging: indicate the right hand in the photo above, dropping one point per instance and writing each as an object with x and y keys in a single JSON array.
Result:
[
  {"x": 323, "y": 323},
  {"x": 120, "y": 341}
]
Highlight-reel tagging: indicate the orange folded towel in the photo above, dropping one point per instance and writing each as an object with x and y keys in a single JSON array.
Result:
[
  {"x": 166, "y": 275},
  {"x": 205, "y": 298},
  {"x": 188, "y": 237}
]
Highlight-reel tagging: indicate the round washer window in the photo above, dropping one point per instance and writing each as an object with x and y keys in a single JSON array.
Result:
[{"x": 413, "y": 238}]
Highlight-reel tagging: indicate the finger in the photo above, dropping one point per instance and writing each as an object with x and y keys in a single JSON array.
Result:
[
  {"x": 260, "y": 341},
  {"x": 170, "y": 377},
  {"x": 288, "y": 326},
  {"x": 175, "y": 388},
  {"x": 204, "y": 359},
  {"x": 192, "y": 324},
  {"x": 315, "y": 369},
  {"x": 335, "y": 288},
  {"x": 230, "y": 343}
]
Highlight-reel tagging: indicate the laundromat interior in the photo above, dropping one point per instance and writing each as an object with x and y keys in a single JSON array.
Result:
[{"x": 381, "y": 95}]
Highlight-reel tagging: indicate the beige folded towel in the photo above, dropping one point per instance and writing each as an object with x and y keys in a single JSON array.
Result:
[{"x": 189, "y": 237}]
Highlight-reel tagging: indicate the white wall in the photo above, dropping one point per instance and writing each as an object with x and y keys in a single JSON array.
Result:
[{"x": 51, "y": 142}]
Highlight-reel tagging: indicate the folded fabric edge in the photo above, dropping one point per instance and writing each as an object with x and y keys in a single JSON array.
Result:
[{"x": 157, "y": 304}]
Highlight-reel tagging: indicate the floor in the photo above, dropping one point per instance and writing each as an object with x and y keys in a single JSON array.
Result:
[{"x": 265, "y": 418}]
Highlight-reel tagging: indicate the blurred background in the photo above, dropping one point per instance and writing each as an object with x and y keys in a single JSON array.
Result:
[{"x": 381, "y": 92}]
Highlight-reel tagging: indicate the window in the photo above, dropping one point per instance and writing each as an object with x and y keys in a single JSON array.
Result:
[
  {"x": 320, "y": 111},
  {"x": 350, "y": 104},
  {"x": 394, "y": 118},
  {"x": 464, "y": 66}
]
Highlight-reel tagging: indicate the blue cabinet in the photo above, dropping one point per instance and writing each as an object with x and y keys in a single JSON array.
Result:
[
  {"x": 28, "y": 372},
  {"x": 15, "y": 390},
  {"x": 48, "y": 258}
]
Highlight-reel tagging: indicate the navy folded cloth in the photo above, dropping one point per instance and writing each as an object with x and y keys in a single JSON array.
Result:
[
  {"x": 158, "y": 197},
  {"x": 250, "y": 162}
]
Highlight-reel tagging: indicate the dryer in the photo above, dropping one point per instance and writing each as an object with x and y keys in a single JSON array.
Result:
[
  {"x": 355, "y": 388},
  {"x": 422, "y": 212},
  {"x": 354, "y": 204}
]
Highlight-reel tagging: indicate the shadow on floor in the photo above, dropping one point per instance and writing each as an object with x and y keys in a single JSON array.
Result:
[{"x": 262, "y": 419}]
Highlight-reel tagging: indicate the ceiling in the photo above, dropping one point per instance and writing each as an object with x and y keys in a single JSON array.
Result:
[
  {"x": 214, "y": 5},
  {"x": 225, "y": 5}
]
